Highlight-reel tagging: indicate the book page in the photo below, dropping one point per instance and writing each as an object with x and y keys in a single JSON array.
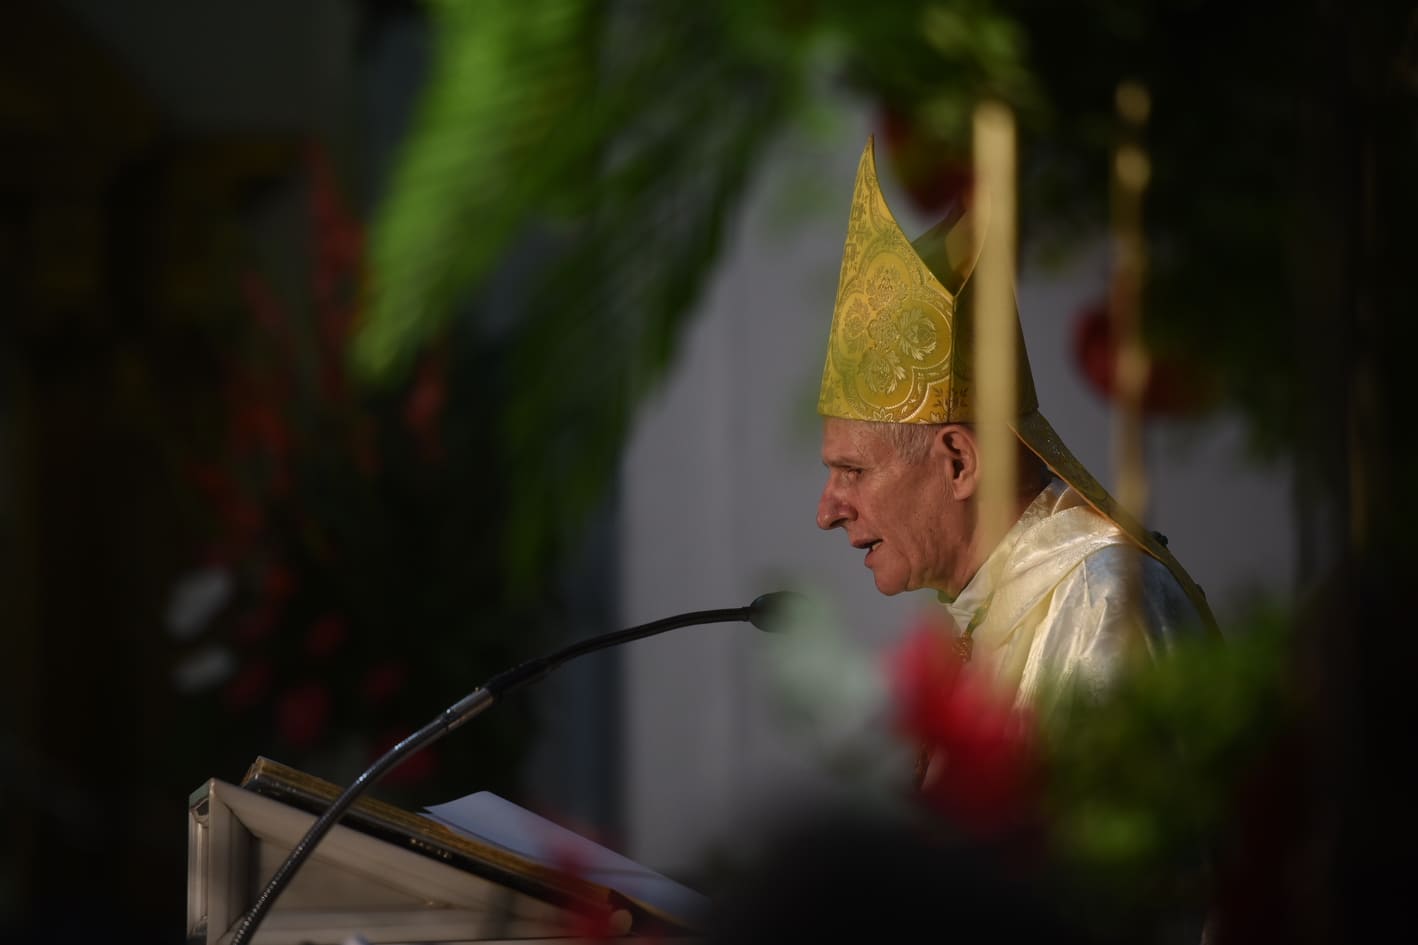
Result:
[{"x": 492, "y": 819}]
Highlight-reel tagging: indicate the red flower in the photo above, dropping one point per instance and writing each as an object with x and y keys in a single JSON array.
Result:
[
  {"x": 1172, "y": 386},
  {"x": 326, "y": 636},
  {"x": 932, "y": 178},
  {"x": 922, "y": 667},
  {"x": 979, "y": 742},
  {"x": 585, "y": 923},
  {"x": 303, "y": 714}
]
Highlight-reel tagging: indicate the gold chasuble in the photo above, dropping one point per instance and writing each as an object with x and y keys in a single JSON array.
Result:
[{"x": 1076, "y": 583}]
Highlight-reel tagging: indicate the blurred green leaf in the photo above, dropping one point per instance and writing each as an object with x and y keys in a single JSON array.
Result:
[
  {"x": 502, "y": 123},
  {"x": 1143, "y": 781}
]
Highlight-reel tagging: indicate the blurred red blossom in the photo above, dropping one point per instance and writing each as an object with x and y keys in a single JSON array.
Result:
[
  {"x": 583, "y": 923},
  {"x": 339, "y": 235},
  {"x": 303, "y": 714},
  {"x": 1173, "y": 387},
  {"x": 933, "y": 178},
  {"x": 983, "y": 763}
]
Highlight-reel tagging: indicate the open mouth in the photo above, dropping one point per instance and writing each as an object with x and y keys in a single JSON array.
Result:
[{"x": 870, "y": 546}]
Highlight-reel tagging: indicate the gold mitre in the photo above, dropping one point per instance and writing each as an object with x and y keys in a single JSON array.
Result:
[
  {"x": 901, "y": 346},
  {"x": 897, "y": 351}
]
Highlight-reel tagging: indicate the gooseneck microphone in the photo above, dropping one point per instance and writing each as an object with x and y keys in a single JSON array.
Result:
[{"x": 769, "y": 612}]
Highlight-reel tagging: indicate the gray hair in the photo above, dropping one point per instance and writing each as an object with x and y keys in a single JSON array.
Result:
[{"x": 912, "y": 442}]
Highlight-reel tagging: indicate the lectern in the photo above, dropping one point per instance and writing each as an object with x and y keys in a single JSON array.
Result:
[{"x": 385, "y": 874}]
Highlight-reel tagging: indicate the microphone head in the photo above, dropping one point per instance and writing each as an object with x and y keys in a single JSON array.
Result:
[{"x": 775, "y": 610}]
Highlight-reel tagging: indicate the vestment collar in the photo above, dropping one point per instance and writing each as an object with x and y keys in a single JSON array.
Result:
[{"x": 975, "y": 596}]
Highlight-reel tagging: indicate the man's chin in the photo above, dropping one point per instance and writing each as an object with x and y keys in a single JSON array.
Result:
[{"x": 888, "y": 586}]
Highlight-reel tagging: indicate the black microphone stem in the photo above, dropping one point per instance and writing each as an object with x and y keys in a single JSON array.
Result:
[
  {"x": 533, "y": 670},
  {"x": 474, "y": 703}
]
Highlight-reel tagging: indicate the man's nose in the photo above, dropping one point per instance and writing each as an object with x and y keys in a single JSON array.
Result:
[{"x": 831, "y": 510}]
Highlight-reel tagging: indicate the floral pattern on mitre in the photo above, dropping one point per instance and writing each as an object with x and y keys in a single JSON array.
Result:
[
  {"x": 889, "y": 352},
  {"x": 856, "y": 322}
]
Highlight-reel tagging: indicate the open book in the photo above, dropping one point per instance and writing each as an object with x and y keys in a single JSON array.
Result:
[{"x": 487, "y": 817}]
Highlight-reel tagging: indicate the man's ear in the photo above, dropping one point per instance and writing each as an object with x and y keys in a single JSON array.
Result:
[{"x": 956, "y": 446}]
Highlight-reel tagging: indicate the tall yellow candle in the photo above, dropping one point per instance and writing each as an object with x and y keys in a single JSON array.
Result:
[{"x": 995, "y": 356}]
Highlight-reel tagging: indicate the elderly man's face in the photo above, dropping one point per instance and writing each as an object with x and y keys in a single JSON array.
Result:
[{"x": 901, "y": 514}]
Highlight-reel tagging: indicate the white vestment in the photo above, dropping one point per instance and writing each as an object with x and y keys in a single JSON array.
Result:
[{"x": 1050, "y": 608}]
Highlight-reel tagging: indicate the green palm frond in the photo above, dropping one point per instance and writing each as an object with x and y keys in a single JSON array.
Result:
[
  {"x": 604, "y": 326},
  {"x": 502, "y": 122}
]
